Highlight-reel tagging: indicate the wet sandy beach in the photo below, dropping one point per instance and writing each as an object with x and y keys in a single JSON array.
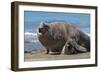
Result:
[{"x": 46, "y": 57}]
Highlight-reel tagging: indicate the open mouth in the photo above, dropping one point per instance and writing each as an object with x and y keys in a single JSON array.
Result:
[{"x": 41, "y": 30}]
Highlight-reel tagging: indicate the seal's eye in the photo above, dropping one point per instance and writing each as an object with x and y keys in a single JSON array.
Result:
[{"x": 45, "y": 26}]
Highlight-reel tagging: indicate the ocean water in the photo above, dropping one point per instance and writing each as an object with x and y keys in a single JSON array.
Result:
[
  {"x": 31, "y": 42},
  {"x": 32, "y": 45}
]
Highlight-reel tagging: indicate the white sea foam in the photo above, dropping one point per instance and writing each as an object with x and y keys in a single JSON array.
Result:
[
  {"x": 30, "y": 37},
  {"x": 87, "y": 34},
  {"x": 30, "y": 34}
]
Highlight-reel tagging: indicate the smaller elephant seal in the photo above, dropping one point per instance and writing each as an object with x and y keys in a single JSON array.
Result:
[{"x": 60, "y": 37}]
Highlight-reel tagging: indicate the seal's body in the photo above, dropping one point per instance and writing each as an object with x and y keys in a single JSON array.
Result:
[{"x": 58, "y": 36}]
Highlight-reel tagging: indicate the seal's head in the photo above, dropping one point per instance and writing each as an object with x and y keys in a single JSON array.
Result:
[{"x": 43, "y": 28}]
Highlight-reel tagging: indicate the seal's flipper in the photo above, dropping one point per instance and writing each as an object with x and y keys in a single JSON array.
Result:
[
  {"x": 78, "y": 48},
  {"x": 71, "y": 47}
]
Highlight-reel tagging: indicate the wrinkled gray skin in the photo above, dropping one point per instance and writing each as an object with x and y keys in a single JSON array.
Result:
[{"x": 59, "y": 37}]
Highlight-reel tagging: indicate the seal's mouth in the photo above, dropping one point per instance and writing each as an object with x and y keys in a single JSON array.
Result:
[{"x": 41, "y": 30}]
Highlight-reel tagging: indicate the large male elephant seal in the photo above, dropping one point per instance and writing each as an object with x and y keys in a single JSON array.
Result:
[{"x": 59, "y": 36}]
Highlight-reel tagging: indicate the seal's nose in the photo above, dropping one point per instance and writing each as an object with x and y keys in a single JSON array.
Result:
[{"x": 40, "y": 30}]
